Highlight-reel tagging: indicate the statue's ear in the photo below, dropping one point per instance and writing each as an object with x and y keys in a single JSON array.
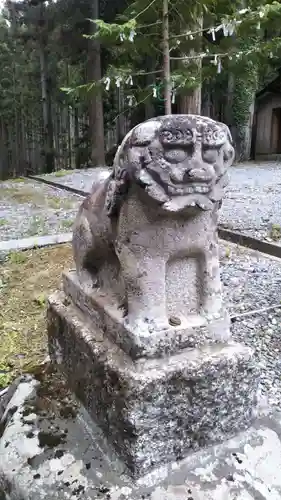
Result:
[
  {"x": 228, "y": 150},
  {"x": 117, "y": 188}
]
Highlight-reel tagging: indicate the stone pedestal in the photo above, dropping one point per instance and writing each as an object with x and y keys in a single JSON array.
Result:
[
  {"x": 140, "y": 328},
  {"x": 152, "y": 409},
  {"x": 193, "y": 330}
]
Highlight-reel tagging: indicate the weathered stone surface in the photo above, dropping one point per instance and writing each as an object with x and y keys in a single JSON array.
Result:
[
  {"x": 140, "y": 330},
  {"x": 78, "y": 465},
  {"x": 153, "y": 410},
  {"x": 147, "y": 236},
  {"x": 47, "y": 450},
  {"x": 193, "y": 330}
]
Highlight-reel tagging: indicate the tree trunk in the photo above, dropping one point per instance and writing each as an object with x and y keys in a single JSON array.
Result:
[
  {"x": 166, "y": 59},
  {"x": 48, "y": 139},
  {"x": 228, "y": 113},
  {"x": 69, "y": 148},
  {"x": 243, "y": 136},
  {"x": 121, "y": 132},
  {"x": 4, "y": 157},
  {"x": 96, "y": 118},
  {"x": 206, "y": 104},
  {"x": 76, "y": 137},
  {"x": 148, "y": 104},
  {"x": 191, "y": 101},
  {"x": 23, "y": 138}
]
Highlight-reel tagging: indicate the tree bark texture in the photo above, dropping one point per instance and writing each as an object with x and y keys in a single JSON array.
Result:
[
  {"x": 96, "y": 120},
  {"x": 48, "y": 133},
  {"x": 191, "y": 101},
  {"x": 166, "y": 59}
]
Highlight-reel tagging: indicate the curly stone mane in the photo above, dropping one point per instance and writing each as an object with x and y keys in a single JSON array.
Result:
[{"x": 195, "y": 153}]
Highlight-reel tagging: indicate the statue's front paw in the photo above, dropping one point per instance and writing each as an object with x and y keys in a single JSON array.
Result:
[
  {"x": 146, "y": 326},
  {"x": 159, "y": 325},
  {"x": 87, "y": 281},
  {"x": 123, "y": 307}
]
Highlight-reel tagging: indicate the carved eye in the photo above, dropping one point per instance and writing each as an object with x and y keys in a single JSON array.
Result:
[
  {"x": 219, "y": 136},
  {"x": 213, "y": 137},
  {"x": 174, "y": 136},
  {"x": 188, "y": 135},
  {"x": 210, "y": 155},
  {"x": 167, "y": 135}
]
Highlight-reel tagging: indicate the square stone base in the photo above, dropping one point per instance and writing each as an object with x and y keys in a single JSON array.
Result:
[
  {"x": 193, "y": 331},
  {"x": 153, "y": 410}
]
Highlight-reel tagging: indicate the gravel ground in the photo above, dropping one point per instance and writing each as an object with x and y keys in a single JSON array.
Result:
[
  {"x": 29, "y": 208},
  {"x": 251, "y": 281},
  {"x": 252, "y": 204},
  {"x": 78, "y": 179},
  {"x": 262, "y": 332},
  {"x": 253, "y": 201}
]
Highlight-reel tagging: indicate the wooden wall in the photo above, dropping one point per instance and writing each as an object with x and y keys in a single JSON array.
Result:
[{"x": 268, "y": 126}]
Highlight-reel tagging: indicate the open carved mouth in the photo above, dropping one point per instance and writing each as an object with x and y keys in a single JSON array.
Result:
[
  {"x": 193, "y": 181},
  {"x": 190, "y": 189}
]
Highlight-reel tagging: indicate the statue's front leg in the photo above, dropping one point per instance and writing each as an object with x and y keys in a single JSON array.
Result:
[
  {"x": 144, "y": 277},
  {"x": 211, "y": 289}
]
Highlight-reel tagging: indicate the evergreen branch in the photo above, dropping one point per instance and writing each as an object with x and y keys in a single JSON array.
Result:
[
  {"x": 148, "y": 72},
  {"x": 200, "y": 56},
  {"x": 124, "y": 111},
  {"x": 192, "y": 33},
  {"x": 238, "y": 54},
  {"x": 178, "y": 13},
  {"x": 145, "y": 9},
  {"x": 252, "y": 15},
  {"x": 148, "y": 25}
]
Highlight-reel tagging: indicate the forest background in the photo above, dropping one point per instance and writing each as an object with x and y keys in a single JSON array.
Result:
[{"x": 76, "y": 75}]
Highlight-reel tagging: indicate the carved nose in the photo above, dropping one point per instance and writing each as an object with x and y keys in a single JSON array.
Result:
[
  {"x": 177, "y": 175},
  {"x": 175, "y": 156}
]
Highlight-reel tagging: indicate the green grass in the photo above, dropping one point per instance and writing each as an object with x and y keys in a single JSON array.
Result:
[
  {"x": 17, "y": 257},
  {"x": 27, "y": 194},
  {"x": 275, "y": 232},
  {"x": 36, "y": 226},
  {"x": 3, "y": 222},
  {"x": 67, "y": 223},
  {"x": 18, "y": 180},
  {"x": 54, "y": 202},
  {"x": 28, "y": 279},
  {"x": 23, "y": 194},
  {"x": 61, "y": 173},
  {"x": 68, "y": 204}
]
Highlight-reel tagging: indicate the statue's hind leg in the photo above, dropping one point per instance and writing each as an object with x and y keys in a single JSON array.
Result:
[{"x": 82, "y": 246}]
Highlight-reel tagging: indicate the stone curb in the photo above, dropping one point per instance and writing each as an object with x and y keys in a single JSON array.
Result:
[
  {"x": 250, "y": 242},
  {"x": 34, "y": 242},
  {"x": 57, "y": 185}
]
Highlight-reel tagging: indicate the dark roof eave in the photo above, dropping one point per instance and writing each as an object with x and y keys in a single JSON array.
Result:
[{"x": 267, "y": 91}]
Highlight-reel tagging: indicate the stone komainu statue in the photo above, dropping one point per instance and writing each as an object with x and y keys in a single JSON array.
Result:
[{"x": 147, "y": 235}]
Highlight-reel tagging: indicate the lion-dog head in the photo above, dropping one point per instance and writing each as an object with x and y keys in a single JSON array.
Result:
[{"x": 179, "y": 160}]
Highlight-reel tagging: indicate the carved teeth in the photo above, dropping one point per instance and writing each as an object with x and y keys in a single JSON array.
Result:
[
  {"x": 202, "y": 189},
  {"x": 189, "y": 189}
]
